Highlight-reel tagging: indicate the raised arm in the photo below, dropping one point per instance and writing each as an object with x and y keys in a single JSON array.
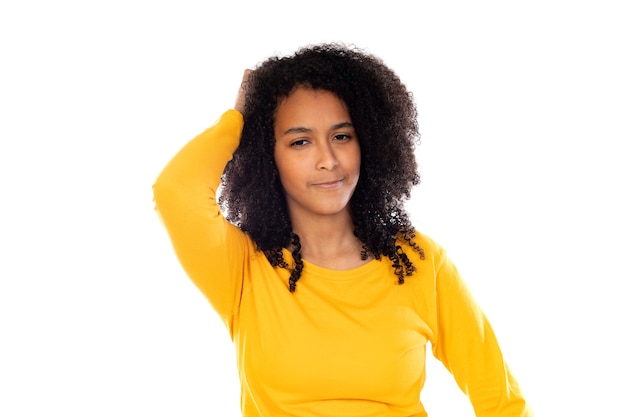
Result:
[{"x": 211, "y": 250}]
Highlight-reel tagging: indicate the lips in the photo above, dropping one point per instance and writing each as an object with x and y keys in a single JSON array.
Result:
[{"x": 329, "y": 184}]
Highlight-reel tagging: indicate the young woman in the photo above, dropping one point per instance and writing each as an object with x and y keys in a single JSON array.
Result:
[{"x": 328, "y": 292}]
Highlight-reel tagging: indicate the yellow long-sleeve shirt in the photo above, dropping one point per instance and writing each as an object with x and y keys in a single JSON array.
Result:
[{"x": 346, "y": 343}]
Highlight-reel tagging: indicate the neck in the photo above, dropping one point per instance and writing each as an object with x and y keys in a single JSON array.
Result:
[{"x": 329, "y": 241}]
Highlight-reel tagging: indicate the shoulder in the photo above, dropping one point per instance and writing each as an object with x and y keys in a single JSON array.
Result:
[{"x": 426, "y": 248}]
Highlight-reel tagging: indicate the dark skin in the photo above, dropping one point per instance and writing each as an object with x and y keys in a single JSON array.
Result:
[
  {"x": 315, "y": 141},
  {"x": 259, "y": 199}
]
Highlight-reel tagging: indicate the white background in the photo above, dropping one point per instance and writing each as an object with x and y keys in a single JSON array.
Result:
[{"x": 522, "y": 109}]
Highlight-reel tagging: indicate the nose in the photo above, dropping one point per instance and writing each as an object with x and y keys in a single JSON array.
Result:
[{"x": 326, "y": 157}]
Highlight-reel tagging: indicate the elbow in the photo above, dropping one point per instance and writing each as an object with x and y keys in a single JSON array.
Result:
[{"x": 163, "y": 193}]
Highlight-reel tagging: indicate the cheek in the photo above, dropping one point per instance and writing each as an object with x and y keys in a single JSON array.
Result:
[
  {"x": 280, "y": 165},
  {"x": 356, "y": 159},
  {"x": 288, "y": 170}
]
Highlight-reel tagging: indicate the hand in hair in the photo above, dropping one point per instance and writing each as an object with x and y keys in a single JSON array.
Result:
[{"x": 240, "y": 102}]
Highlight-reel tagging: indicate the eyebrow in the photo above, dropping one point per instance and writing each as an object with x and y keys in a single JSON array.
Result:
[{"x": 299, "y": 129}]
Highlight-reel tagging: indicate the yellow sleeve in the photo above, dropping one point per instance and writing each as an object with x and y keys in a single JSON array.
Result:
[
  {"x": 467, "y": 346},
  {"x": 211, "y": 250}
]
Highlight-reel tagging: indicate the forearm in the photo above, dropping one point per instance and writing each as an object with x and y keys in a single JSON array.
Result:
[{"x": 196, "y": 169}]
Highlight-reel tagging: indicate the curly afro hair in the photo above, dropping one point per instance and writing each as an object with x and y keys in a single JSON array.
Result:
[{"x": 385, "y": 120}]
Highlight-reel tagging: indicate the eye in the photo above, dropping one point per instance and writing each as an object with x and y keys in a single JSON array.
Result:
[
  {"x": 342, "y": 137},
  {"x": 298, "y": 143}
]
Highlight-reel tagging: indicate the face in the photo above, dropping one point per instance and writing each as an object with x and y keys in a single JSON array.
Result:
[{"x": 317, "y": 153}]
